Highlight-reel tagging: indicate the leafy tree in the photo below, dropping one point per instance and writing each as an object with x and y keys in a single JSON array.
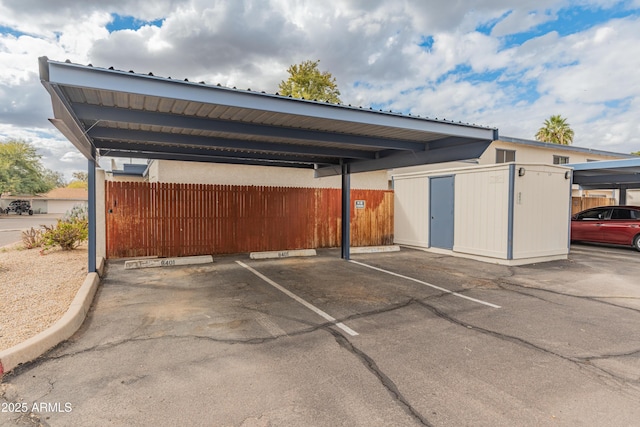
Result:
[
  {"x": 556, "y": 130},
  {"x": 78, "y": 184},
  {"x": 80, "y": 180},
  {"x": 80, "y": 176},
  {"x": 306, "y": 81},
  {"x": 20, "y": 169},
  {"x": 636, "y": 153},
  {"x": 54, "y": 179}
]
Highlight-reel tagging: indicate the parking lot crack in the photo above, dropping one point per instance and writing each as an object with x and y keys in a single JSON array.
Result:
[
  {"x": 581, "y": 362},
  {"x": 597, "y": 299},
  {"x": 610, "y": 356},
  {"x": 386, "y": 382}
]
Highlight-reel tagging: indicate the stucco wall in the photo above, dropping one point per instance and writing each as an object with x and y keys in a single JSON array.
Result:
[
  {"x": 524, "y": 154},
  {"x": 225, "y": 174}
]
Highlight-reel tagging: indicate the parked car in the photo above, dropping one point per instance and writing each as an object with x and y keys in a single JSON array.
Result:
[
  {"x": 19, "y": 207},
  {"x": 618, "y": 225}
]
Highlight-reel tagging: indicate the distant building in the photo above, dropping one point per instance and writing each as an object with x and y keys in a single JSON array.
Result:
[{"x": 56, "y": 201}]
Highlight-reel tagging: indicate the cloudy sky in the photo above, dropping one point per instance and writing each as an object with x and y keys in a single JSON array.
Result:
[{"x": 497, "y": 63}]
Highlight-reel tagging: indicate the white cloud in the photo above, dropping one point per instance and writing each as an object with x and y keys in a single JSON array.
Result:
[{"x": 370, "y": 46}]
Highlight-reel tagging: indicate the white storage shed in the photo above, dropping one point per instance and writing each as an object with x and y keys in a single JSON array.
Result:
[{"x": 509, "y": 213}]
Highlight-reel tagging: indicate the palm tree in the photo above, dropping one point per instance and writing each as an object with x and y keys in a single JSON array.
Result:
[{"x": 556, "y": 130}]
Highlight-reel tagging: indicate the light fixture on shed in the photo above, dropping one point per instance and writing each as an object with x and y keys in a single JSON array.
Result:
[
  {"x": 567, "y": 175},
  {"x": 521, "y": 171}
]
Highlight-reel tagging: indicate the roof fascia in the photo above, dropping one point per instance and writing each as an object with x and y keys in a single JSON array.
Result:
[
  {"x": 68, "y": 124},
  {"x": 608, "y": 179},
  {"x": 571, "y": 148},
  {"x": 472, "y": 149},
  {"x": 607, "y": 164},
  {"x": 119, "y": 81}
]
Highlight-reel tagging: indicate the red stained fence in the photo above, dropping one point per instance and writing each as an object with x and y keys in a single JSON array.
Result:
[{"x": 158, "y": 219}]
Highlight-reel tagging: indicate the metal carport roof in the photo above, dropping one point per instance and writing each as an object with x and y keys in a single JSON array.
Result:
[
  {"x": 106, "y": 112},
  {"x": 611, "y": 174}
]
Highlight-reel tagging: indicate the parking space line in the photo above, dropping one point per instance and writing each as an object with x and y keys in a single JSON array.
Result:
[
  {"x": 427, "y": 284},
  {"x": 300, "y": 300}
]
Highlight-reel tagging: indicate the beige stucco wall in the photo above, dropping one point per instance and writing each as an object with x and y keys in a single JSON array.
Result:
[
  {"x": 124, "y": 178},
  {"x": 226, "y": 174},
  {"x": 101, "y": 223},
  {"x": 543, "y": 155},
  {"x": 524, "y": 154}
]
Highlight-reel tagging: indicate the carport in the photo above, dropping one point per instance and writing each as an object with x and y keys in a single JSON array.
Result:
[
  {"x": 107, "y": 112},
  {"x": 621, "y": 175}
]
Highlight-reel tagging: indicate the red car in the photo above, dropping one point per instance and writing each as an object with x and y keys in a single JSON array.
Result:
[{"x": 618, "y": 225}]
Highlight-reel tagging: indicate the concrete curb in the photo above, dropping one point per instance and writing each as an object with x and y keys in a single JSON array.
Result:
[
  {"x": 168, "y": 262},
  {"x": 66, "y": 326},
  {"x": 282, "y": 254},
  {"x": 374, "y": 249}
]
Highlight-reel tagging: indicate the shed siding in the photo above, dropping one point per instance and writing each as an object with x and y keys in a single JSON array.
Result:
[
  {"x": 411, "y": 211},
  {"x": 541, "y": 217},
  {"x": 499, "y": 216},
  {"x": 481, "y": 215}
]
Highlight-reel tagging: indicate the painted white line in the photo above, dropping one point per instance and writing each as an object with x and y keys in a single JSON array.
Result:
[
  {"x": 426, "y": 284},
  {"x": 300, "y": 300}
]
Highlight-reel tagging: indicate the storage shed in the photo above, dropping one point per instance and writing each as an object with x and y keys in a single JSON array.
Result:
[{"x": 509, "y": 214}]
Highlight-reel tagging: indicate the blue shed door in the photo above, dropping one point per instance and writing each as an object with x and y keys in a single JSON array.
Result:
[{"x": 441, "y": 208}]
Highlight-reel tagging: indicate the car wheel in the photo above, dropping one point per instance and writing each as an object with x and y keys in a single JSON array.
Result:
[{"x": 636, "y": 242}]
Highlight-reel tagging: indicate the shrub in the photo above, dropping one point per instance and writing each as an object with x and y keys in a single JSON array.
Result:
[
  {"x": 69, "y": 232},
  {"x": 77, "y": 213},
  {"x": 32, "y": 238}
]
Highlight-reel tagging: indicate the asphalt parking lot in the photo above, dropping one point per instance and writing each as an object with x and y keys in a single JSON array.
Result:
[
  {"x": 12, "y": 225},
  {"x": 408, "y": 338}
]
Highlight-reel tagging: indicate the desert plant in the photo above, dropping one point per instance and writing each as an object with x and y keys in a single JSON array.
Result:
[
  {"x": 32, "y": 238},
  {"x": 77, "y": 213},
  {"x": 67, "y": 234}
]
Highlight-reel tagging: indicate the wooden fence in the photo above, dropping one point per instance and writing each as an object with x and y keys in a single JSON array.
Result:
[
  {"x": 578, "y": 204},
  {"x": 158, "y": 219}
]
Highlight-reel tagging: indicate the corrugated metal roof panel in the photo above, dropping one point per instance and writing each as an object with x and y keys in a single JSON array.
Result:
[{"x": 130, "y": 110}]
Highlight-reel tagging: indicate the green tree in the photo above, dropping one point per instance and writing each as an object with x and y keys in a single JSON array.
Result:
[
  {"x": 80, "y": 176},
  {"x": 636, "y": 153},
  {"x": 21, "y": 171},
  {"x": 555, "y": 130},
  {"x": 308, "y": 82},
  {"x": 54, "y": 179},
  {"x": 80, "y": 180}
]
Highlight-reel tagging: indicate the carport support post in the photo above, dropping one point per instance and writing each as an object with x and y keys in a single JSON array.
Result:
[
  {"x": 91, "y": 169},
  {"x": 346, "y": 210},
  {"x": 622, "y": 198}
]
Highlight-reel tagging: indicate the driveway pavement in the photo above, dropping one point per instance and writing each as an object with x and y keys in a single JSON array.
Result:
[
  {"x": 416, "y": 339},
  {"x": 12, "y": 225}
]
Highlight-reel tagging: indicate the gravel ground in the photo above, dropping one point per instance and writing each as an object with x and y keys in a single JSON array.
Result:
[{"x": 36, "y": 290}]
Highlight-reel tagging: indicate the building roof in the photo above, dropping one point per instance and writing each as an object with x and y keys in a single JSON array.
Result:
[
  {"x": 568, "y": 148},
  {"x": 67, "y": 194},
  {"x": 106, "y": 112}
]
